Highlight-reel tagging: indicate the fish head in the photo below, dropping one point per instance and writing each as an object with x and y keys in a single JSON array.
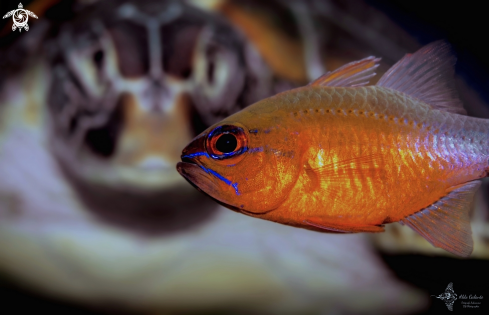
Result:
[{"x": 241, "y": 164}]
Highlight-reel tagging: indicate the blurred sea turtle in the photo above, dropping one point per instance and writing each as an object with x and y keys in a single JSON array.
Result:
[{"x": 95, "y": 107}]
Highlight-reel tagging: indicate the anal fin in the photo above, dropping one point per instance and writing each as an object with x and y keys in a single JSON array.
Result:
[
  {"x": 446, "y": 223},
  {"x": 337, "y": 228}
]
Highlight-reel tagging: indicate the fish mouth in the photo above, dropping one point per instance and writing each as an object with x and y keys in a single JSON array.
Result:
[
  {"x": 202, "y": 181},
  {"x": 197, "y": 177},
  {"x": 205, "y": 183},
  {"x": 192, "y": 172},
  {"x": 190, "y": 169},
  {"x": 196, "y": 174}
]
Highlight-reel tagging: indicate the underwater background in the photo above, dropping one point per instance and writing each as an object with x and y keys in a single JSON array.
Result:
[{"x": 97, "y": 101}]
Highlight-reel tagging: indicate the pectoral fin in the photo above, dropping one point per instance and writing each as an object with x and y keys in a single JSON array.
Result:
[
  {"x": 325, "y": 224},
  {"x": 446, "y": 223},
  {"x": 366, "y": 166}
]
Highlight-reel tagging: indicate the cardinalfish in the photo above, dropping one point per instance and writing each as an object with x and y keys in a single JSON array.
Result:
[{"x": 340, "y": 156}]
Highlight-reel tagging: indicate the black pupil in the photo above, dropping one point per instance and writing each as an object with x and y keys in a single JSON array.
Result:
[{"x": 227, "y": 143}]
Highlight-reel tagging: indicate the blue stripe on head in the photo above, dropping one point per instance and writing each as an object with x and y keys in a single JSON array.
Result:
[
  {"x": 235, "y": 186},
  {"x": 190, "y": 156},
  {"x": 220, "y": 177},
  {"x": 230, "y": 154},
  {"x": 224, "y": 179}
]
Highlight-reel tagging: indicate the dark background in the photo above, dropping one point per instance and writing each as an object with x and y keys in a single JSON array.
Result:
[{"x": 463, "y": 23}]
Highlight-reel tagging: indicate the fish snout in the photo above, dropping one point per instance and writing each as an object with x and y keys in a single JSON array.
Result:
[{"x": 194, "y": 149}]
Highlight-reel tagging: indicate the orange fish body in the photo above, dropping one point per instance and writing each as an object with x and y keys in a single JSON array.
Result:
[
  {"x": 349, "y": 159},
  {"x": 367, "y": 154}
]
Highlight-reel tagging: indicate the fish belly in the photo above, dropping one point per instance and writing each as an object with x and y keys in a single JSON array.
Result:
[{"x": 373, "y": 155}]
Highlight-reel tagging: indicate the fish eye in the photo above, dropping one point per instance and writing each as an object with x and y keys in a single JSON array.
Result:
[{"x": 226, "y": 141}]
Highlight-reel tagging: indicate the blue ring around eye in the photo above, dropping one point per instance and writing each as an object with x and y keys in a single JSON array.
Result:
[
  {"x": 223, "y": 156},
  {"x": 228, "y": 155}
]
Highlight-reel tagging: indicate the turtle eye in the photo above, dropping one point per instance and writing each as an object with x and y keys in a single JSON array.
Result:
[
  {"x": 98, "y": 58},
  {"x": 226, "y": 141}
]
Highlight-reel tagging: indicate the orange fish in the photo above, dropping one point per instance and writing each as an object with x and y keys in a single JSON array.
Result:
[{"x": 340, "y": 156}]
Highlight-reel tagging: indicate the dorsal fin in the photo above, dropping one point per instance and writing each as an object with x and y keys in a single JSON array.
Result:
[
  {"x": 356, "y": 73},
  {"x": 446, "y": 223},
  {"x": 428, "y": 75}
]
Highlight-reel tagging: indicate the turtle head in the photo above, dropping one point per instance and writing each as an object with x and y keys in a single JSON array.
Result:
[{"x": 123, "y": 108}]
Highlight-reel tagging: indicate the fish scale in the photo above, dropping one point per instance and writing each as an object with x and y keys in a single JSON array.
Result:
[
  {"x": 338, "y": 156},
  {"x": 412, "y": 130}
]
